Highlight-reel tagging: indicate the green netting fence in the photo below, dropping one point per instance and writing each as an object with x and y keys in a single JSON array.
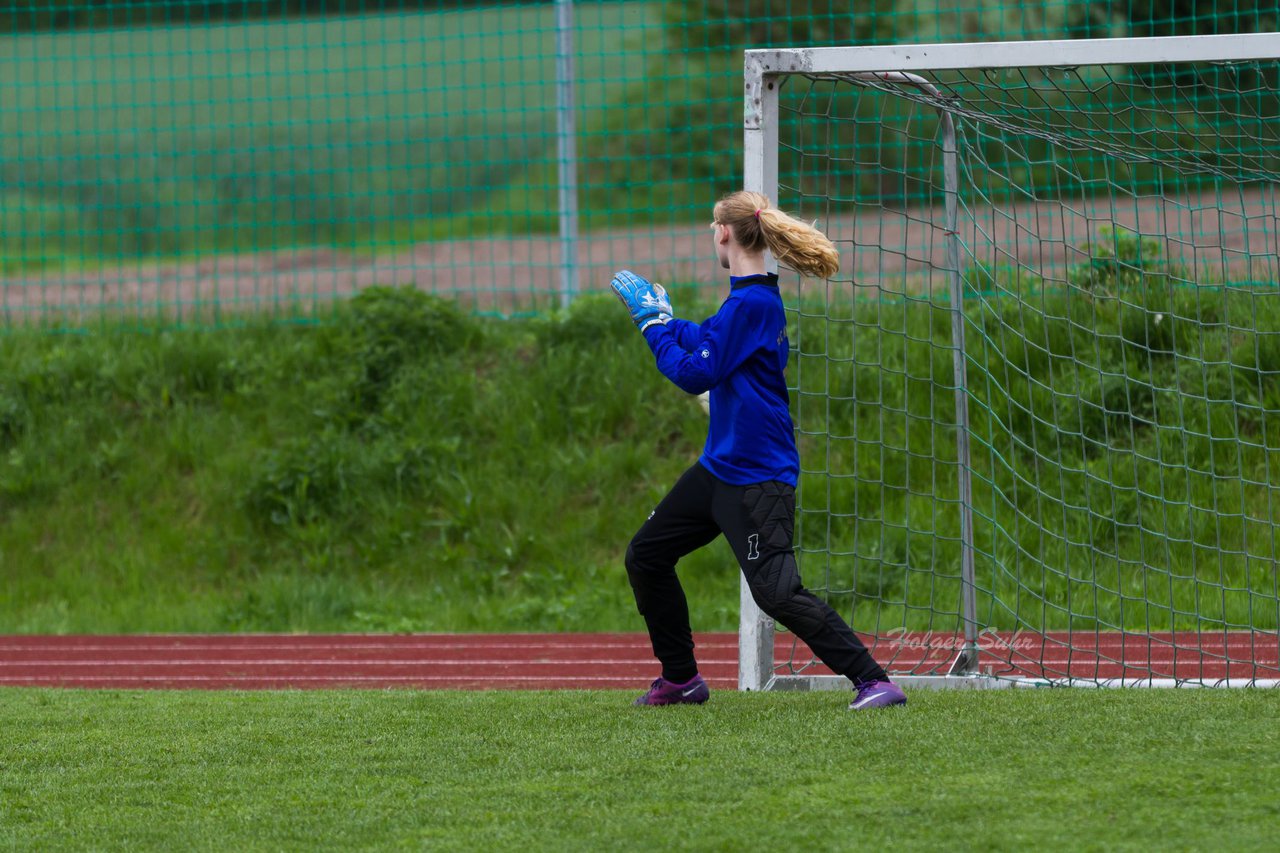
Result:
[{"x": 199, "y": 160}]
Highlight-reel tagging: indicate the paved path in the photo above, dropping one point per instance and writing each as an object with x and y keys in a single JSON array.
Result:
[{"x": 1222, "y": 237}]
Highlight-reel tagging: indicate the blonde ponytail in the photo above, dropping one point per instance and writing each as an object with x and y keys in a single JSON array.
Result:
[{"x": 757, "y": 226}]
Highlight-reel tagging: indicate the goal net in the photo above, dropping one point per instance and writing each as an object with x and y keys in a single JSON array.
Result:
[{"x": 1038, "y": 409}]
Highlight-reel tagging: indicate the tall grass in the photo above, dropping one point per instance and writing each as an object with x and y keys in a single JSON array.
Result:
[
  {"x": 407, "y": 466},
  {"x": 1123, "y": 437},
  {"x": 404, "y": 466}
]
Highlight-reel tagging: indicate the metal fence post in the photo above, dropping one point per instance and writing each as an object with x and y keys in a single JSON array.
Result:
[{"x": 566, "y": 153}]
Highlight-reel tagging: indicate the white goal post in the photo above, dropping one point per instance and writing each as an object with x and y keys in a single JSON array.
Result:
[{"x": 1133, "y": 584}]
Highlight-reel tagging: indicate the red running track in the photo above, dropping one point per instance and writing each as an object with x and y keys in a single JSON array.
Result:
[{"x": 581, "y": 661}]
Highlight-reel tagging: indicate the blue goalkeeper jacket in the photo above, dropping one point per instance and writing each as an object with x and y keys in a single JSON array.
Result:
[{"x": 740, "y": 356}]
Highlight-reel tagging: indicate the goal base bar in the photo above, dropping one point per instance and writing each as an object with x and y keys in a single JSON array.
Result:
[{"x": 806, "y": 683}]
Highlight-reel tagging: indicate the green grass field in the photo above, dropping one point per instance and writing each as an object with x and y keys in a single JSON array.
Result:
[
  {"x": 162, "y": 141},
  {"x": 1001, "y": 770}
]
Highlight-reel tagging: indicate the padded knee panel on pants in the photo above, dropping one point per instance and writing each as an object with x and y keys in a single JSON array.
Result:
[
  {"x": 772, "y": 509},
  {"x": 777, "y": 591}
]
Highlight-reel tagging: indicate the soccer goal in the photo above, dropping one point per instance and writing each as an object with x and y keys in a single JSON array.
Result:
[{"x": 1038, "y": 409}]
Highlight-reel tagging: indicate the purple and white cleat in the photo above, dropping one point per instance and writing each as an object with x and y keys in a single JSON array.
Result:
[
  {"x": 663, "y": 692},
  {"x": 877, "y": 694}
]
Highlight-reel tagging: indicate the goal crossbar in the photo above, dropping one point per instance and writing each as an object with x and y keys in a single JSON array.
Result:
[{"x": 1065, "y": 53}]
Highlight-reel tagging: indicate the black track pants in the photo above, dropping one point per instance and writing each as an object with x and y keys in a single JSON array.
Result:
[{"x": 758, "y": 522}]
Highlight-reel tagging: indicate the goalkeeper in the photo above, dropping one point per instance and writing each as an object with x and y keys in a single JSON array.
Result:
[{"x": 744, "y": 483}]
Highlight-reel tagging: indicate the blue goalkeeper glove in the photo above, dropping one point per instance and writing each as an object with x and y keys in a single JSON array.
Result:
[{"x": 647, "y": 303}]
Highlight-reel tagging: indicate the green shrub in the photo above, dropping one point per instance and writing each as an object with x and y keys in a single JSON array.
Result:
[
  {"x": 383, "y": 329},
  {"x": 1118, "y": 258},
  {"x": 304, "y": 481},
  {"x": 591, "y": 322},
  {"x": 15, "y": 416}
]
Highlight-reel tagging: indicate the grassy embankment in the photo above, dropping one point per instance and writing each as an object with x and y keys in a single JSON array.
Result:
[{"x": 407, "y": 467}]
